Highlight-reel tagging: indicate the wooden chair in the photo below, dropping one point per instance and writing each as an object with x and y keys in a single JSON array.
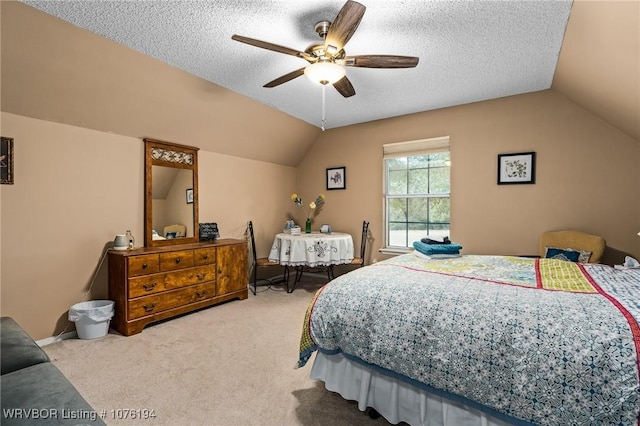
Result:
[
  {"x": 575, "y": 240},
  {"x": 262, "y": 262},
  {"x": 359, "y": 261}
]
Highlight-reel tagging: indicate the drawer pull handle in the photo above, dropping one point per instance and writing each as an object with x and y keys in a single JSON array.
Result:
[
  {"x": 205, "y": 257},
  {"x": 144, "y": 266},
  {"x": 200, "y": 294},
  {"x": 177, "y": 260},
  {"x": 149, "y": 287},
  {"x": 219, "y": 271},
  {"x": 149, "y": 308},
  {"x": 201, "y": 276}
]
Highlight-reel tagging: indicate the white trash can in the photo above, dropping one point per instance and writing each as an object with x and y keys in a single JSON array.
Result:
[{"x": 92, "y": 318}]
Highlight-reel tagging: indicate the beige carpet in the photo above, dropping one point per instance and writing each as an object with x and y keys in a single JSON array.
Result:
[{"x": 228, "y": 365}]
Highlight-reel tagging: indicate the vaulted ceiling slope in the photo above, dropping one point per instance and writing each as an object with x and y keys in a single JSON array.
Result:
[
  {"x": 599, "y": 65},
  {"x": 469, "y": 51},
  {"x": 54, "y": 71}
]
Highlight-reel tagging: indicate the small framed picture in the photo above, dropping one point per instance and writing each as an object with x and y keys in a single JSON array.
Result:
[
  {"x": 6, "y": 160},
  {"x": 517, "y": 168},
  {"x": 208, "y": 231},
  {"x": 337, "y": 178},
  {"x": 190, "y": 196}
]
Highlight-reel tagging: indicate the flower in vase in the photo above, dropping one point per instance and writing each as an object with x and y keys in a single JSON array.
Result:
[{"x": 313, "y": 206}]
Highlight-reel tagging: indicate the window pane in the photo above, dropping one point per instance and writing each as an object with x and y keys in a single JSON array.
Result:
[
  {"x": 418, "y": 161},
  {"x": 397, "y": 182},
  {"x": 439, "y": 180},
  {"x": 439, "y": 210},
  {"x": 439, "y": 231},
  {"x": 439, "y": 228},
  {"x": 442, "y": 159},
  {"x": 418, "y": 210},
  {"x": 397, "y": 210},
  {"x": 398, "y": 234},
  {"x": 399, "y": 163},
  {"x": 418, "y": 181},
  {"x": 415, "y": 232}
]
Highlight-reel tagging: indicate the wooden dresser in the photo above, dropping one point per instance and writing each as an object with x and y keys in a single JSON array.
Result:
[{"x": 152, "y": 284}]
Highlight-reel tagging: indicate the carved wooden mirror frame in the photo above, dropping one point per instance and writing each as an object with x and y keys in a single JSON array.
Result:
[{"x": 166, "y": 154}]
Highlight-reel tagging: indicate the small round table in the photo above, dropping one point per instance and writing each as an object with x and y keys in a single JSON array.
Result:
[{"x": 314, "y": 249}]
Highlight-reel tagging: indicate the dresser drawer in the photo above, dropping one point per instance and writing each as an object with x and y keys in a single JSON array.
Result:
[
  {"x": 146, "y": 264},
  {"x": 150, "y": 284},
  {"x": 205, "y": 256},
  {"x": 176, "y": 260},
  {"x": 153, "y": 304}
]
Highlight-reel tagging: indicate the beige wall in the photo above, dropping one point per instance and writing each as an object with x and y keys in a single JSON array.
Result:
[
  {"x": 76, "y": 188},
  {"x": 587, "y": 174}
]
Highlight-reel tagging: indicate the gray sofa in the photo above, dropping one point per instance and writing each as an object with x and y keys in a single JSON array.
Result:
[{"x": 32, "y": 390}]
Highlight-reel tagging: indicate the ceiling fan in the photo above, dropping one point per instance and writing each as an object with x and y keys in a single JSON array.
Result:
[{"x": 327, "y": 59}]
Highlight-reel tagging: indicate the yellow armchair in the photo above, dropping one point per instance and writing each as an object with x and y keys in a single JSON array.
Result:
[{"x": 575, "y": 240}]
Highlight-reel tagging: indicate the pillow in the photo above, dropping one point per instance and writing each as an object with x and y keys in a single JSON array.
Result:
[{"x": 568, "y": 254}]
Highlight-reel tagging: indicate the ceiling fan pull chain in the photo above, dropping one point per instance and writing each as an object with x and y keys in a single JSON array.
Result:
[{"x": 324, "y": 120}]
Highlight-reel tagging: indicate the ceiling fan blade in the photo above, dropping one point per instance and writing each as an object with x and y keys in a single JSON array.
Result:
[
  {"x": 344, "y": 25},
  {"x": 380, "y": 61},
  {"x": 269, "y": 46},
  {"x": 283, "y": 79},
  {"x": 345, "y": 87}
]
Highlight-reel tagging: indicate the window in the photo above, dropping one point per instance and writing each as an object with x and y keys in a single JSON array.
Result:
[{"x": 417, "y": 191}]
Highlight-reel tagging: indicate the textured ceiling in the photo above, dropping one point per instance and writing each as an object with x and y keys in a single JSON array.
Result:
[{"x": 469, "y": 50}]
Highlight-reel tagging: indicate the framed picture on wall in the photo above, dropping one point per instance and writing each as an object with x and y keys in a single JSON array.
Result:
[
  {"x": 6, "y": 160},
  {"x": 190, "y": 196},
  {"x": 336, "y": 178},
  {"x": 517, "y": 168}
]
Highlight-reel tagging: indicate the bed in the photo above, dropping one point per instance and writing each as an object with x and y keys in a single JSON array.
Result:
[{"x": 480, "y": 340}]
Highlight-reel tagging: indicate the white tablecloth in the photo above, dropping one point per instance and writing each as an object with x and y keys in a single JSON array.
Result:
[{"x": 314, "y": 249}]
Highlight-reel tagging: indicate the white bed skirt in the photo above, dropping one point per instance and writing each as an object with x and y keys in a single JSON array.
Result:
[{"x": 395, "y": 400}]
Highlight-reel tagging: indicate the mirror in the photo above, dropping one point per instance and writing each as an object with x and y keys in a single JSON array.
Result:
[{"x": 171, "y": 194}]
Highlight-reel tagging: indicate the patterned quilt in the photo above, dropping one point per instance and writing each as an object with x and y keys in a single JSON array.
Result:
[{"x": 530, "y": 341}]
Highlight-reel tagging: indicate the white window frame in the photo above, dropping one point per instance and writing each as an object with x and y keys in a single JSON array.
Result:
[{"x": 406, "y": 149}]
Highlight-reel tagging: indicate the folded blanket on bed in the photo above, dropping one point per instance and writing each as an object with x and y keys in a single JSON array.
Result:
[
  {"x": 435, "y": 256},
  {"x": 430, "y": 249}
]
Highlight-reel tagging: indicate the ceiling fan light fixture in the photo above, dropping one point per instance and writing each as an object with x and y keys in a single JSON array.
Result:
[
  {"x": 332, "y": 50},
  {"x": 325, "y": 72}
]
